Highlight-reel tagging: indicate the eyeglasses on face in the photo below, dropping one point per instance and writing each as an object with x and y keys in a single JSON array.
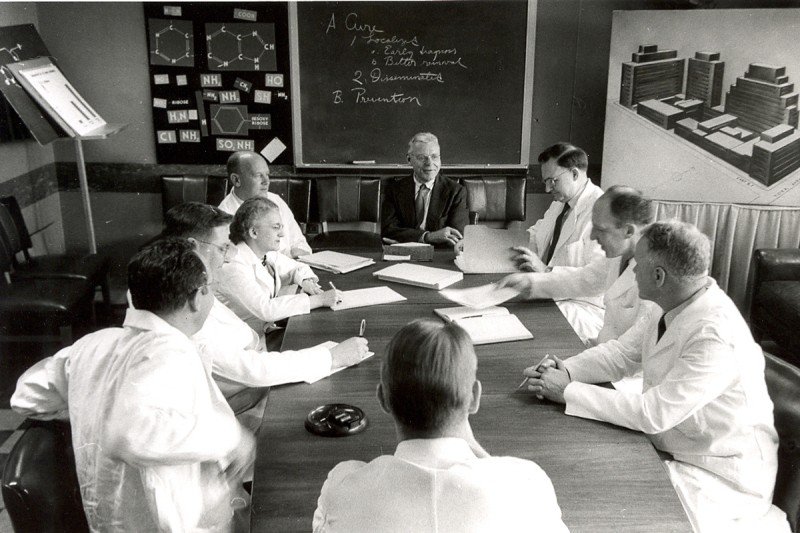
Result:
[
  {"x": 420, "y": 158},
  {"x": 551, "y": 181},
  {"x": 226, "y": 250}
]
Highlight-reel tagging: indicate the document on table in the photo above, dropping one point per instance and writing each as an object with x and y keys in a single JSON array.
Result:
[
  {"x": 366, "y": 297},
  {"x": 480, "y": 297},
  {"x": 494, "y": 328},
  {"x": 329, "y": 345},
  {"x": 488, "y": 250}
]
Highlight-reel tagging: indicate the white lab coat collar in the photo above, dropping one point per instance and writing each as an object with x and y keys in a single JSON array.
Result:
[
  {"x": 434, "y": 453},
  {"x": 139, "y": 319}
]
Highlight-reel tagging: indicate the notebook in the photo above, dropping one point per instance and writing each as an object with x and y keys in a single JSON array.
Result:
[
  {"x": 421, "y": 276},
  {"x": 366, "y": 297},
  {"x": 329, "y": 345},
  {"x": 480, "y": 297},
  {"x": 335, "y": 262},
  {"x": 487, "y": 326}
]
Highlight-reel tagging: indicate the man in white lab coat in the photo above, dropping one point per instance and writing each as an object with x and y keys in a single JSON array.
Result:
[
  {"x": 240, "y": 364},
  {"x": 704, "y": 399},
  {"x": 156, "y": 446},
  {"x": 562, "y": 237},
  {"x": 439, "y": 478},
  {"x": 249, "y": 175},
  {"x": 618, "y": 218}
]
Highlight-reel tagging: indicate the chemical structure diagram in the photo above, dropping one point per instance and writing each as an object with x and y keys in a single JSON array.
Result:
[
  {"x": 172, "y": 43},
  {"x": 235, "y": 120},
  {"x": 12, "y": 51},
  {"x": 242, "y": 47}
]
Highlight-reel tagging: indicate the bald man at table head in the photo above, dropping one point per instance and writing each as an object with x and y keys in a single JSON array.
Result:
[
  {"x": 426, "y": 206},
  {"x": 248, "y": 173},
  {"x": 439, "y": 478}
]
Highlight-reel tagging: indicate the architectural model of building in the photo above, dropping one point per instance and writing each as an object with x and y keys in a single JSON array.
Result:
[{"x": 755, "y": 129}]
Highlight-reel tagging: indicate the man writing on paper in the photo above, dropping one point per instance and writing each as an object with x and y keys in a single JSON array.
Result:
[
  {"x": 618, "y": 218},
  {"x": 439, "y": 478},
  {"x": 156, "y": 446},
  {"x": 240, "y": 364},
  {"x": 426, "y": 207},
  {"x": 249, "y": 176},
  {"x": 704, "y": 398}
]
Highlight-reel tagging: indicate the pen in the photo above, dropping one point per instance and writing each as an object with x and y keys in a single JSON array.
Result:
[
  {"x": 524, "y": 381},
  {"x": 332, "y": 285},
  {"x": 363, "y": 327}
]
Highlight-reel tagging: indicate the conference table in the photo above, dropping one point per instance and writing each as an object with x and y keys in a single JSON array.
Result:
[{"x": 606, "y": 478}]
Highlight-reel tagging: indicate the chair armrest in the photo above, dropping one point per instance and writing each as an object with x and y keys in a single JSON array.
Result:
[{"x": 777, "y": 264}]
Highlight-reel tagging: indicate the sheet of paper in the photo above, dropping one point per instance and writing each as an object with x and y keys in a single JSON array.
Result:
[
  {"x": 389, "y": 257},
  {"x": 366, "y": 297},
  {"x": 488, "y": 250},
  {"x": 479, "y": 297},
  {"x": 329, "y": 345},
  {"x": 272, "y": 150}
]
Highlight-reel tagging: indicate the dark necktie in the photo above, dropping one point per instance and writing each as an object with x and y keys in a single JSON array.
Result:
[
  {"x": 662, "y": 327},
  {"x": 556, "y": 233},
  {"x": 419, "y": 204},
  {"x": 271, "y": 272}
]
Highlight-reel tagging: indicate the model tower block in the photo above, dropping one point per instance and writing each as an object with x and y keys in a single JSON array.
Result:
[
  {"x": 650, "y": 75},
  {"x": 704, "y": 78}
]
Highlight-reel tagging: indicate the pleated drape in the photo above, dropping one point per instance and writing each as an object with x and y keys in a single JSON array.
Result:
[{"x": 735, "y": 232}]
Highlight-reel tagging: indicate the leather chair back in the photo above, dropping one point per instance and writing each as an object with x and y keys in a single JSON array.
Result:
[
  {"x": 495, "y": 199},
  {"x": 296, "y": 192},
  {"x": 176, "y": 190},
  {"x": 11, "y": 204},
  {"x": 783, "y": 383},
  {"x": 348, "y": 199},
  {"x": 40, "y": 485}
]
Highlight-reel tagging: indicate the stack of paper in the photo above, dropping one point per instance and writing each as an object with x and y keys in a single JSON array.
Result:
[
  {"x": 421, "y": 276},
  {"x": 489, "y": 250},
  {"x": 416, "y": 250},
  {"x": 336, "y": 262},
  {"x": 486, "y": 326},
  {"x": 480, "y": 297},
  {"x": 366, "y": 297}
]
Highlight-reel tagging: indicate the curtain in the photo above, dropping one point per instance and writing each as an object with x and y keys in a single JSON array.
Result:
[{"x": 736, "y": 231}]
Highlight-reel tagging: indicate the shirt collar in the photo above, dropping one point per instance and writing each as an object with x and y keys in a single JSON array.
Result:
[
  {"x": 670, "y": 315},
  {"x": 236, "y": 196},
  {"x": 428, "y": 184},
  {"x": 434, "y": 453},
  {"x": 145, "y": 320},
  {"x": 574, "y": 200}
]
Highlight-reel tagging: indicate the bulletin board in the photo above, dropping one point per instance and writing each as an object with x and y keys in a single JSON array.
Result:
[{"x": 219, "y": 81}]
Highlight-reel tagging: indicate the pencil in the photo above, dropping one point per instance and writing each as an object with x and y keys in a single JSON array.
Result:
[{"x": 524, "y": 381}]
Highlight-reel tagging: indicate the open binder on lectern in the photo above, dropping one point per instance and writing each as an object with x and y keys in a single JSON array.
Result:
[{"x": 51, "y": 90}]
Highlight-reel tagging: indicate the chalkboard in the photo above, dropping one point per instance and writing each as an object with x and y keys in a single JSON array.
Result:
[{"x": 371, "y": 74}]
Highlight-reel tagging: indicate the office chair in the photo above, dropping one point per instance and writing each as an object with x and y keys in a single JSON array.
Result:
[
  {"x": 40, "y": 484},
  {"x": 176, "y": 190},
  {"x": 348, "y": 199},
  {"x": 783, "y": 383},
  {"x": 495, "y": 199},
  {"x": 296, "y": 192}
]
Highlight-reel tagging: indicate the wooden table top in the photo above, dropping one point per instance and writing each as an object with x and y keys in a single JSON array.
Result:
[{"x": 606, "y": 478}]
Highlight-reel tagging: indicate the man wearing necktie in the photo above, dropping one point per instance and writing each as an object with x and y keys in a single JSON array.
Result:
[
  {"x": 561, "y": 238},
  {"x": 704, "y": 400},
  {"x": 425, "y": 207}
]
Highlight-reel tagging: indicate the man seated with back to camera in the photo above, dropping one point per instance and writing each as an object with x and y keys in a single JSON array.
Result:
[
  {"x": 156, "y": 446},
  {"x": 618, "y": 218},
  {"x": 239, "y": 361},
  {"x": 248, "y": 173},
  {"x": 426, "y": 206},
  {"x": 704, "y": 399},
  {"x": 439, "y": 478}
]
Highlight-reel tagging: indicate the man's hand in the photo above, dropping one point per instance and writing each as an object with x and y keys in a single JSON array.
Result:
[
  {"x": 298, "y": 251},
  {"x": 241, "y": 458},
  {"x": 310, "y": 286},
  {"x": 548, "y": 380},
  {"x": 446, "y": 235},
  {"x": 326, "y": 299},
  {"x": 521, "y": 283},
  {"x": 349, "y": 352},
  {"x": 527, "y": 261}
]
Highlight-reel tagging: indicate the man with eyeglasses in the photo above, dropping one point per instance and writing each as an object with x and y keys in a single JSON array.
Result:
[
  {"x": 425, "y": 207},
  {"x": 156, "y": 446},
  {"x": 240, "y": 364},
  {"x": 249, "y": 175}
]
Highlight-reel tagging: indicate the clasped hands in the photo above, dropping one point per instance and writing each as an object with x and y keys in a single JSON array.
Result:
[
  {"x": 548, "y": 379},
  {"x": 446, "y": 235}
]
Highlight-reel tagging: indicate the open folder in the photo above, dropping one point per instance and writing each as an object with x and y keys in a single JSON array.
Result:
[
  {"x": 486, "y": 326},
  {"x": 367, "y": 297}
]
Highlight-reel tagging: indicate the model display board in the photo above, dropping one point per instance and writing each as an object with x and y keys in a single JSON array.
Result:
[
  {"x": 703, "y": 105},
  {"x": 219, "y": 79}
]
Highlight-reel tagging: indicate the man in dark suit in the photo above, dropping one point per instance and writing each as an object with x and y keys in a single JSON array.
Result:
[{"x": 425, "y": 207}]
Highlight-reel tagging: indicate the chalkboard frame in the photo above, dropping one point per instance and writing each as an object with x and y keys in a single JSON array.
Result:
[{"x": 527, "y": 104}]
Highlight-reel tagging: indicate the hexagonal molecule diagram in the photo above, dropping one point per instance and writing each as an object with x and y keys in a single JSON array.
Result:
[
  {"x": 241, "y": 46},
  {"x": 171, "y": 43}
]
